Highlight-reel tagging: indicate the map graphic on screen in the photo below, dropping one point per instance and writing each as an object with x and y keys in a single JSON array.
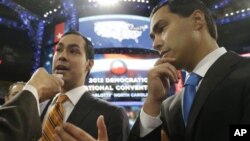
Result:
[{"x": 116, "y": 31}]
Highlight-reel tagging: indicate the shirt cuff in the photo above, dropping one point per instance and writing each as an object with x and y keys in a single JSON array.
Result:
[
  {"x": 33, "y": 90},
  {"x": 148, "y": 123}
]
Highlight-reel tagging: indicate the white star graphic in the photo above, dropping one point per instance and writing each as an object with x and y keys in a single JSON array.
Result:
[{"x": 59, "y": 35}]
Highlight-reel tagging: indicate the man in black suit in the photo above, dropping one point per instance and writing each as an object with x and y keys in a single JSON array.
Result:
[
  {"x": 185, "y": 34},
  {"x": 73, "y": 59},
  {"x": 19, "y": 118}
]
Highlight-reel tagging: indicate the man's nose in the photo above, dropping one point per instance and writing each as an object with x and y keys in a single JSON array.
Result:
[
  {"x": 157, "y": 44},
  {"x": 63, "y": 56}
]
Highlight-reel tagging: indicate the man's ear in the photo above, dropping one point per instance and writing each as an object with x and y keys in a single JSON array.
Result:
[
  {"x": 198, "y": 19},
  {"x": 90, "y": 64}
]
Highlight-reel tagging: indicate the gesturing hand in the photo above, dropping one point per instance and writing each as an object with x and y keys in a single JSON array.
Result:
[{"x": 70, "y": 132}]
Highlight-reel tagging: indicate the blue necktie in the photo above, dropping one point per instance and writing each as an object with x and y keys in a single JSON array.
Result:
[{"x": 189, "y": 94}]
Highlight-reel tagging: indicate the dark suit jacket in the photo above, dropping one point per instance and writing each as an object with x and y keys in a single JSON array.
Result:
[
  {"x": 222, "y": 99},
  {"x": 89, "y": 108},
  {"x": 19, "y": 119}
]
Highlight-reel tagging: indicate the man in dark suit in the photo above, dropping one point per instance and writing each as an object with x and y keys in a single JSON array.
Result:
[
  {"x": 185, "y": 34},
  {"x": 73, "y": 59},
  {"x": 19, "y": 118}
]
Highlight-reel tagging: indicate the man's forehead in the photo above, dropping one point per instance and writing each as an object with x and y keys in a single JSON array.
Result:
[
  {"x": 74, "y": 39},
  {"x": 162, "y": 11},
  {"x": 71, "y": 37},
  {"x": 160, "y": 14}
]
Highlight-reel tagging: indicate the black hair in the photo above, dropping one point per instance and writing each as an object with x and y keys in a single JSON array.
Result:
[
  {"x": 185, "y": 8},
  {"x": 89, "y": 48}
]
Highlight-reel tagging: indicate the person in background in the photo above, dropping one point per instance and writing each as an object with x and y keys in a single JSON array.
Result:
[
  {"x": 217, "y": 89},
  {"x": 14, "y": 89},
  {"x": 73, "y": 59},
  {"x": 19, "y": 117}
]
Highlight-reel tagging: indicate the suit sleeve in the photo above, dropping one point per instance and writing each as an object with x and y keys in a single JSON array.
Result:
[
  {"x": 118, "y": 125},
  {"x": 154, "y": 135},
  {"x": 246, "y": 116},
  {"x": 134, "y": 135},
  {"x": 19, "y": 119}
]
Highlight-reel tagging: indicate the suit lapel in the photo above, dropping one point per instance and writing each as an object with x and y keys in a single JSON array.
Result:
[
  {"x": 216, "y": 73},
  {"x": 45, "y": 109},
  {"x": 176, "y": 112},
  {"x": 82, "y": 108}
]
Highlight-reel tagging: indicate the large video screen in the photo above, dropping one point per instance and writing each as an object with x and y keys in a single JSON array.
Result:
[
  {"x": 123, "y": 57},
  {"x": 120, "y": 77},
  {"x": 119, "y": 74},
  {"x": 121, "y": 64}
]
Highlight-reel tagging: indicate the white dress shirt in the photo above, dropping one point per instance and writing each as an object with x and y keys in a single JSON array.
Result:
[
  {"x": 149, "y": 123},
  {"x": 73, "y": 97}
]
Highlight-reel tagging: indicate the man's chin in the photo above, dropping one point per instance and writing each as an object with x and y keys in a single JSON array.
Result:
[{"x": 66, "y": 82}]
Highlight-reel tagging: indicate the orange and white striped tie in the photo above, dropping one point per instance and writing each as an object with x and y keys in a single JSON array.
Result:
[{"x": 54, "y": 119}]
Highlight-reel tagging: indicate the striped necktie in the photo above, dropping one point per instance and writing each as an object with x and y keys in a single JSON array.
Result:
[
  {"x": 54, "y": 119},
  {"x": 189, "y": 94}
]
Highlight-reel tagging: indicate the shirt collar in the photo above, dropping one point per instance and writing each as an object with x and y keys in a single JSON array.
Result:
[
  {"x": 203, "y": 66},
  {"x": 74, "y": 95}
]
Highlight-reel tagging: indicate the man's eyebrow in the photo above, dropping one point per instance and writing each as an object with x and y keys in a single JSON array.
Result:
[{"x": 156, "y": 26}]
